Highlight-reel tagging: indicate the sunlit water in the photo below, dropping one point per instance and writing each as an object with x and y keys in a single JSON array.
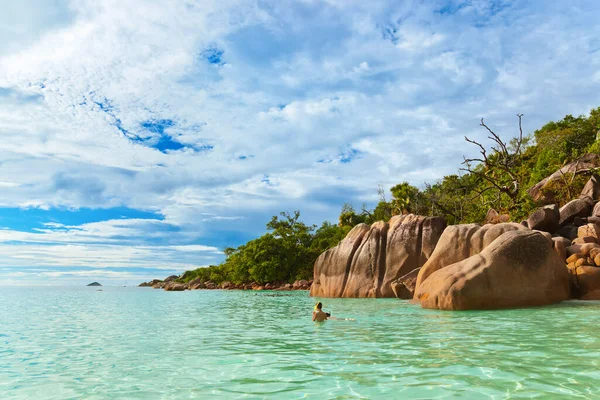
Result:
[{"x": 60, "y": 343}]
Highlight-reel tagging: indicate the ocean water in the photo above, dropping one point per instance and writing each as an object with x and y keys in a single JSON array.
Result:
[{"x": 59, "y": 343}]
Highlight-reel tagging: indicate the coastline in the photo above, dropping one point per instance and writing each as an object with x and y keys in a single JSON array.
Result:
[{"x": 172, "y": 284}]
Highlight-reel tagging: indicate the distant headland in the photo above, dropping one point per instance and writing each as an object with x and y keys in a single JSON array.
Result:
[{"x": 94, "y": 284}]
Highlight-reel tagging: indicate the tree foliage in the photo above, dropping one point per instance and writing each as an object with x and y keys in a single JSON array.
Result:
[
  {"x": 287, "y": 252},
  {"x": 498, "y": 178}
]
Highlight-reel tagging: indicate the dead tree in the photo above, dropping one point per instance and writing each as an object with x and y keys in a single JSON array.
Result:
[{"x": 498, "y": 169}]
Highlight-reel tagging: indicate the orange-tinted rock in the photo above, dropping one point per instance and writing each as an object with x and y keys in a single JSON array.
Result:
[
  {"x": 333, "y": 266},
  {"x": 518, "y": 269},
  {"x": 588, "y": 247},
  {"x": 459, "y": 242},
  {"x": 404, "y": 287},
  {"x": 588, "y": 279},
  {"x": 589, "y": 230}
]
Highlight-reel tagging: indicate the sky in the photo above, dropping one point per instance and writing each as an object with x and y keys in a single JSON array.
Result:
[{"x": 140, "y": 138}]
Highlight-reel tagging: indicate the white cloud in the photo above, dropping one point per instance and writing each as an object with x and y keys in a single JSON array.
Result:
[{"x": 290, "y": 84}]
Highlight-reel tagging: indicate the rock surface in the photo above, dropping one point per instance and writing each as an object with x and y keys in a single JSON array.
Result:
[
  {"x": 589, "y": 230},
  {"x": 370, "y": 259},
  {"x": 596, "y": 211},
  {"x": 517, "y": 269},
  {"x": 592, "y": 189},
  {"x": 94, "y": 284},
  {"x": 575, "y": 208},
  {"x": 459, "y": 242},
  {"x": 582, "y": 165},
  {"x": 545, "y": 219}
]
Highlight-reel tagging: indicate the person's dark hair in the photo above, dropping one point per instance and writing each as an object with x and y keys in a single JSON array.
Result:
[{"x": 319, "y": 305}]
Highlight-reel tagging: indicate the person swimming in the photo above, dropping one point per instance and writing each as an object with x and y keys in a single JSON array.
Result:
[{"x": 318, "y": 314}]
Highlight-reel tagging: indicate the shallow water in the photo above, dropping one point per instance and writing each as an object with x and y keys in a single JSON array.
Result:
[{"x": 60, "y": 343}]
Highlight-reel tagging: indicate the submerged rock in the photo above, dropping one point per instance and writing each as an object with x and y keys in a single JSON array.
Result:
[
  {"x": 370, "y": 259},
  {"x": 517, "y": 269}
]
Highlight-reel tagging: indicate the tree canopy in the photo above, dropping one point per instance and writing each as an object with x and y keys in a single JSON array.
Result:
[{"x": 498, "y": 178}]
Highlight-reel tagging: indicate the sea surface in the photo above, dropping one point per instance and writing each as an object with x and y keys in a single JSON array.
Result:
[{"x": 128, "y": 343}]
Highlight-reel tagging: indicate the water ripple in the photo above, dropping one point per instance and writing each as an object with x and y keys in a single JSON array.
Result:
[{"x": 60, "y": 343}]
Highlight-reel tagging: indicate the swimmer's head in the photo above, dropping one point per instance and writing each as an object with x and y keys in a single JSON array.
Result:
[{"x": 318, "y": 306}]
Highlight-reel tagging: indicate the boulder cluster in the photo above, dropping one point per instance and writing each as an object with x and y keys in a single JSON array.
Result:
[
  {"x": 378, "y": 261},
  {"x": 172, "y": 284},
  {"x": 552, "y": 256}
]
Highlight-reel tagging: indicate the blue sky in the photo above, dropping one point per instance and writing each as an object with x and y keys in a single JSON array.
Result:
[{"x": 140, "y": 138}]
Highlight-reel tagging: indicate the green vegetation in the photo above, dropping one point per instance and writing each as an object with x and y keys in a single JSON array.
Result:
[
  {"x": 285, "y": 254},
  {"x": 498, "y": 178}
]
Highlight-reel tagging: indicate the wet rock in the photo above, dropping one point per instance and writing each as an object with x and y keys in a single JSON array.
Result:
[{"x": 589, "y": 230}]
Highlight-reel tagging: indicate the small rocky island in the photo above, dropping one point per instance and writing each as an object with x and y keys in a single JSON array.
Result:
[{"x": 94, "y": 284}]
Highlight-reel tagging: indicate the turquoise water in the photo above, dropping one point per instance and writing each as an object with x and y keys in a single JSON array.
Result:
[{"x": 58, "y": 343}]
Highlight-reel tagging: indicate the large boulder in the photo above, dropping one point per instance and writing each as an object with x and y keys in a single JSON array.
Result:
[
  {"x": 540, "y": 191},
  {"x": 459, "y": 242},
  {"x": 333, "y": 266},
  {"x": 592, "y": 188},
  {"x": 575, "y": 208},
  {"x": 545, "y": 219},
  {"x": 370, "y": 259},
  {"x": 517, "y": 269}
]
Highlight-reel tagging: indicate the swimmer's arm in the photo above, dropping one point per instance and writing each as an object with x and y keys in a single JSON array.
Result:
[{"x": 314, "y": 315}]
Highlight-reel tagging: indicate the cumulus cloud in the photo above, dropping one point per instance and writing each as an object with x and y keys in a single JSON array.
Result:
[{"x": 217, "y": 114}]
